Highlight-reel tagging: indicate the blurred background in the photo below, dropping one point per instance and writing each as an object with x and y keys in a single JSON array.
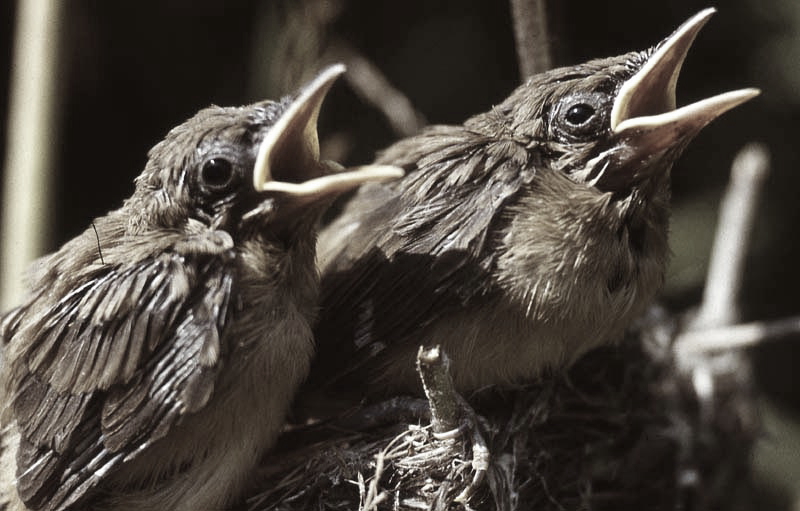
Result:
[{"x": 124, "y": 73}]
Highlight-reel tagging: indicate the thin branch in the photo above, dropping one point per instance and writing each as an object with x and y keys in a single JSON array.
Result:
[
  {"x": 30, "y": 141},
  {"x": 433, "y": 367},
  {"x": 373, "y": 497},
  {"x": 737, "y": 336},
  {"x": 481, "y": 458},
  {"x": 531, "y": 36},
  {"x": 374, "y": 88},
  {"x": 734, "y": 230}
]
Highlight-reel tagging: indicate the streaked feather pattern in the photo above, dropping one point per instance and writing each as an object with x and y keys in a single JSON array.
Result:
[{"x": 113, "y": 365}]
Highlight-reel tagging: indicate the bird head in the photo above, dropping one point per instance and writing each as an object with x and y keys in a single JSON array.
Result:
[
  {"x": 244, "y": 169},
  {"x": 612, "y": 123}
]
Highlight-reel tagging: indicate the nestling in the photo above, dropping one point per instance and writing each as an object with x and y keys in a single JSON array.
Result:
[
  {"x": 153, "y": 360},
  {"x": 518, "y": 240}
]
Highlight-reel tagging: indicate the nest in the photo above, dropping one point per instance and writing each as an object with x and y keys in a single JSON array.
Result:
[{"x": 636, "y": 426}]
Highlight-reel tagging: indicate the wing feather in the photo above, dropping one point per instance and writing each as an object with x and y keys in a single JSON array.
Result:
[
  {"x": 404, "y": 253},
  {"x": 109, "y": 368}
]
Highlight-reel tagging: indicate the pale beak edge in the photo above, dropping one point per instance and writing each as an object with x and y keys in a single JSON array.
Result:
[
  {"x": 332, "y": 184},
  {"x": 301, "y": 116},
  {"x": 652, "y": 89},
  {"x": 689, "y": 118}
]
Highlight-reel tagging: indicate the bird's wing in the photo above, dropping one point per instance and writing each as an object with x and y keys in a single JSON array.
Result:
[
  {"x": 403, "y": 254},
  {"x": 108, "y": 368}
]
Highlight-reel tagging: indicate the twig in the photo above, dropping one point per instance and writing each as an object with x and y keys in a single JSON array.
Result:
[
  {"x": 480, "y": 465},
  {"x": 734, "y": 230},
  {"x": 737, "y": 336},
  {"x": 531, "y": 36},
  {"x": 373, "y": 87},
  {"x": 373, "y": 496},
  {"x": 30, "y": 140},
  {"x": 433, "y": 367}
]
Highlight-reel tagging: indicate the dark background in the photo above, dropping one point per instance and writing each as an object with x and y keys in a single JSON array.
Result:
[{"x": 128, "y": 71}]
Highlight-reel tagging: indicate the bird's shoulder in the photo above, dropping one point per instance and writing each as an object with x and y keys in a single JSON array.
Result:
[
  {"x": 403, "y": 254},
  {"x": 457, "y": 180}
]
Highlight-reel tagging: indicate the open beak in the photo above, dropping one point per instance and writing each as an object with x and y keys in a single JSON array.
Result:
[
  {"x": 288, "y": 158},
  {"x": 644, "y": 110}
]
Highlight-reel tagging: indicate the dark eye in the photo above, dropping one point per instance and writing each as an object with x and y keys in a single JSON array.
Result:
[
  {"x": 217, "y": 173},
  {"x": 579, "y": 114},
  {"x": 581, "y": 117}
]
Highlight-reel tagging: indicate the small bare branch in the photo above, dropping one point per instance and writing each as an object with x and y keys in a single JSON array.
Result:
[
  {"x": 433, "y": 367},
  {"x": 374, "y": 88},
  {"x": 734, "y": 230},
  {"x": 531, "y": 36},
  {"x": 737, "y": 336}
]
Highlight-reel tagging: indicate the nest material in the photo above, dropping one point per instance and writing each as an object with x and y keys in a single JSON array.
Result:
[{"x": 636, "y": 426}]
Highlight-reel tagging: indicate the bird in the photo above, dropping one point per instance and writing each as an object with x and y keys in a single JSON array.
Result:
[
  {"x": 516, "y": 241},
  {"x": 155, "y": 355}
]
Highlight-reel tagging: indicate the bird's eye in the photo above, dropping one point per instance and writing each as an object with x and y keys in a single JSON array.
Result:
[
  {"x": 581, "y": 117},
  {"x": 579, "y": 114},
  {"x": 217, "y": 173}
]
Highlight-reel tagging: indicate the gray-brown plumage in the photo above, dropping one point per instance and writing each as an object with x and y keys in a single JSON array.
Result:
[
  {"x": 153, "y": 359},
  {"x": 517, "y": 241}
]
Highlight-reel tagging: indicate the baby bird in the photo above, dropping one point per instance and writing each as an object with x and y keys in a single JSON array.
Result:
[
  {"x": 518, "y": 240},
  {"x": 155, "y": 355}
]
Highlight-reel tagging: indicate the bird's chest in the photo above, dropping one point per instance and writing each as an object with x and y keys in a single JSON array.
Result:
[
  {"x": 593, "y": 286},
  {"x": 269, "y": 347},
  {"x": 574, "y": 288},
  {"x": 574, "y": 258}
]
